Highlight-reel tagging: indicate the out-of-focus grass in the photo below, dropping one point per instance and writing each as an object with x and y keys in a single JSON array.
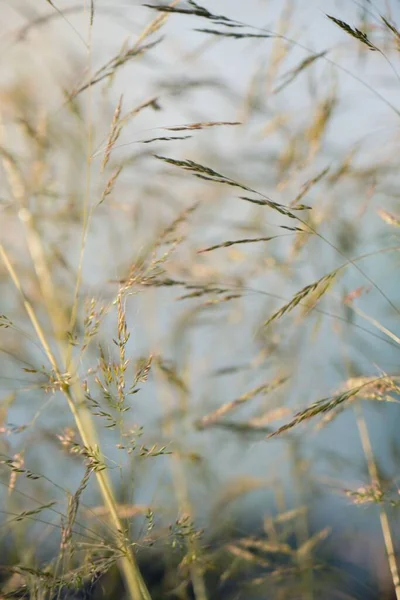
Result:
[{"x": 193, "y": 263}]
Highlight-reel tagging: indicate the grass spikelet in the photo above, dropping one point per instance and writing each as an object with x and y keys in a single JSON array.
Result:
[
  {"x": 322, "y": 117},
  {"x": 280, "y": 208},
  {"x": 115, "y": 131},
  {"x": 152, "y": 102},
  {"x": 27, "y": 514},
  {"x": 192, "y": 166},
  {"x": 109, "y": 69},
  {"x": 125, "y": 511},
  {"x": 246, "y": 555},
  {"x": 321, "y": 406},
  {"x": 388, "y": 217},
  {"x": 308, "y": 185},
  {"x": 381, "y": 390},
  {"x": 18, "y": 464},
  {"x": 110, "y": 184},
  {"x": 220, "y": 300},
  {"x": 308, "y": 547},
  {"x": 355, "y": 33},
  {"x": 195, "y": 10},
  {"x": 201, "y": 125},
  {"x": 394, "y": 30},
  {"x": 155, "y": 25},
  {"x": 170, "y": 372},
  {"x": 237, "y": 35},
  {"x": 166, "y": 139},
  {"x": 73, "y": 505},
  {"x": 280, "y": 49},
  {"x": 94, "y": 313},
  {"x": 209, "y": 174},
  {"x": 165, "y": 236},
  {"x": 14, "y": 465},
  {"x": 202, "y": 290},
  {"x": 213, "y": 417},
  {"x": 272, "y": 415},
  {"x": 5, "y": 322},
  {"x": 305, "y": 64},
  {"x": 313, "y": 291},
  {"x": 235, "y": 242},
  {"x": 376, "y": 389},
  {"x": 237, "y": 488},
  {"x": 267, "y": 547}
]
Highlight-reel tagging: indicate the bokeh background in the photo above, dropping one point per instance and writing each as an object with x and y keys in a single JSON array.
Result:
[{"x": 322, "y": 132}]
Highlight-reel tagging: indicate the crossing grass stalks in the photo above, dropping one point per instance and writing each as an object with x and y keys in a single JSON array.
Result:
[{"x": 159, "y": 329}]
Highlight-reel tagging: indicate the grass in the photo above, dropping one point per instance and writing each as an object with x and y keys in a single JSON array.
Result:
[{"x": 198, "y": 301}]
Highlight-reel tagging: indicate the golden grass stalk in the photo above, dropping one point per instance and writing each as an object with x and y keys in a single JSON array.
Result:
[
  {"x": 73, "y": 394},
  {"x": 383, "y": 515}
]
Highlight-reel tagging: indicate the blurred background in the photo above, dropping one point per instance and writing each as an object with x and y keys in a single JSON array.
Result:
[{"x": 170, "y": 180}]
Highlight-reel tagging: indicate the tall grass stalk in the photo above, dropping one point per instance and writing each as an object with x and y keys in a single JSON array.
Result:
[
  {"x": 383, "y": 515},
  {"x": 76, "y": 402},
  {"x": 248, "y": 358},
  {"x": 70, "y": 387}
]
